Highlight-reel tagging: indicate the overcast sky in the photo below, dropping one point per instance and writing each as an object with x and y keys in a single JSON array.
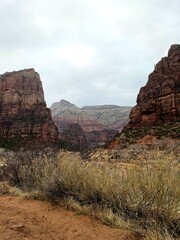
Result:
[{"x": 88, "y": 52}]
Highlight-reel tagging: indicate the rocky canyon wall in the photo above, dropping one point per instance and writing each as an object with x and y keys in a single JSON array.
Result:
[
  {"x": 92, "y": 125},
  {"x": 23, "y": 110},
  {"x": 159, "y": 101}
]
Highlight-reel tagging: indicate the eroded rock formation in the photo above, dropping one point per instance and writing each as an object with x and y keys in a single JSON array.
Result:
[
  {"x": 23, "y": 110},
  {"x": 159, "y": 101},
  {"x": 98, "y": 123},
  {"x": 73, "y": 136}
]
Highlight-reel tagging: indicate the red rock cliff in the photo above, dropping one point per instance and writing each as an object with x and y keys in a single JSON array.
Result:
[
  {"x": 23, "y": 111},
  {"x": 159, "y": 101}
]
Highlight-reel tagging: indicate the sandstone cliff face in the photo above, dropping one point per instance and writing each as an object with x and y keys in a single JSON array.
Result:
[
  {"x": 159, "y": 101},
  {"x": 73, "y": 136},
  {"x": 98, "y": 123},
  {"x": 23, "y": 111},
  {"x": 108, "y": 116}
]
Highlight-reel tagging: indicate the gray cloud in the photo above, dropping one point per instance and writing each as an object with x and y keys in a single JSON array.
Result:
[{"x": 88, "y": 51}]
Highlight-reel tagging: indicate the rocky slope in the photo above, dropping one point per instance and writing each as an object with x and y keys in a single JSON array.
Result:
[
  {"x": 23, "y": 110},
  {"x": 159, "y": 101},
  {"x": 155, "y": 120},
  {"x": 97, "y": 123}
]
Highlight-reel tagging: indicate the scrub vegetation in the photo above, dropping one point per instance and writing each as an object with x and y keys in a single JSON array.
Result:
[{"x": 141, "y": 196}]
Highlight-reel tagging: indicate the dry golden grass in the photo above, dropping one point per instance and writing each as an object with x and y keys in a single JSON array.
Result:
[
  {"x": 140, "y": 193},
  {"x": 4, "y": 188}
]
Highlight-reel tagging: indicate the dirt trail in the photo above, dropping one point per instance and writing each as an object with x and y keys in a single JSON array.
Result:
[{"x": 22, "y": 219}]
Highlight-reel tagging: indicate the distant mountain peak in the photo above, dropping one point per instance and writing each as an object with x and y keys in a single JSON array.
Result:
[
  {"x": 63, "y": 105},
  {"x": 64, "y": 102},
  {"x": 97, "y": 123}
]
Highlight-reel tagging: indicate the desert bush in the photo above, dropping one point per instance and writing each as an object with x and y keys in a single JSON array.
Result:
[
  {"x": 149, "y": 196},
  {"x": 26, "y": 170},
  {"x": 142, "y": 197},
  {"x": 4, "y": 188},
  {"x": 156, "y": 235}
]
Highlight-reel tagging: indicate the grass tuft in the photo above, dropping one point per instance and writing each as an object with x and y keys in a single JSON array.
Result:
[{"x": 142, "y": 197}]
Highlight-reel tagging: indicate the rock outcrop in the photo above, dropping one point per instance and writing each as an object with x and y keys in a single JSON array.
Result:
[
  {"x": 98, "y": 123},
  {"x": 159, "y": 101},
  {"x": 73, "y": 137},
  {"x": 23, "y": 110}
]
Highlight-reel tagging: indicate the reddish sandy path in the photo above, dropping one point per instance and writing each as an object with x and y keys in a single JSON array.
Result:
[{"x": 22, "y": 219}]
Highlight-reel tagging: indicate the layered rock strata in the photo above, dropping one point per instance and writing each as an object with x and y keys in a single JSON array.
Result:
[
  {"x": 98, "y": 123},
  {"x": 159, "y": 101},
  {"x": 23, "y": 110}
]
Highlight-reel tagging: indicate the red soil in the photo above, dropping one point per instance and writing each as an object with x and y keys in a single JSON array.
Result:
[{"x": 22, "y": 219}]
